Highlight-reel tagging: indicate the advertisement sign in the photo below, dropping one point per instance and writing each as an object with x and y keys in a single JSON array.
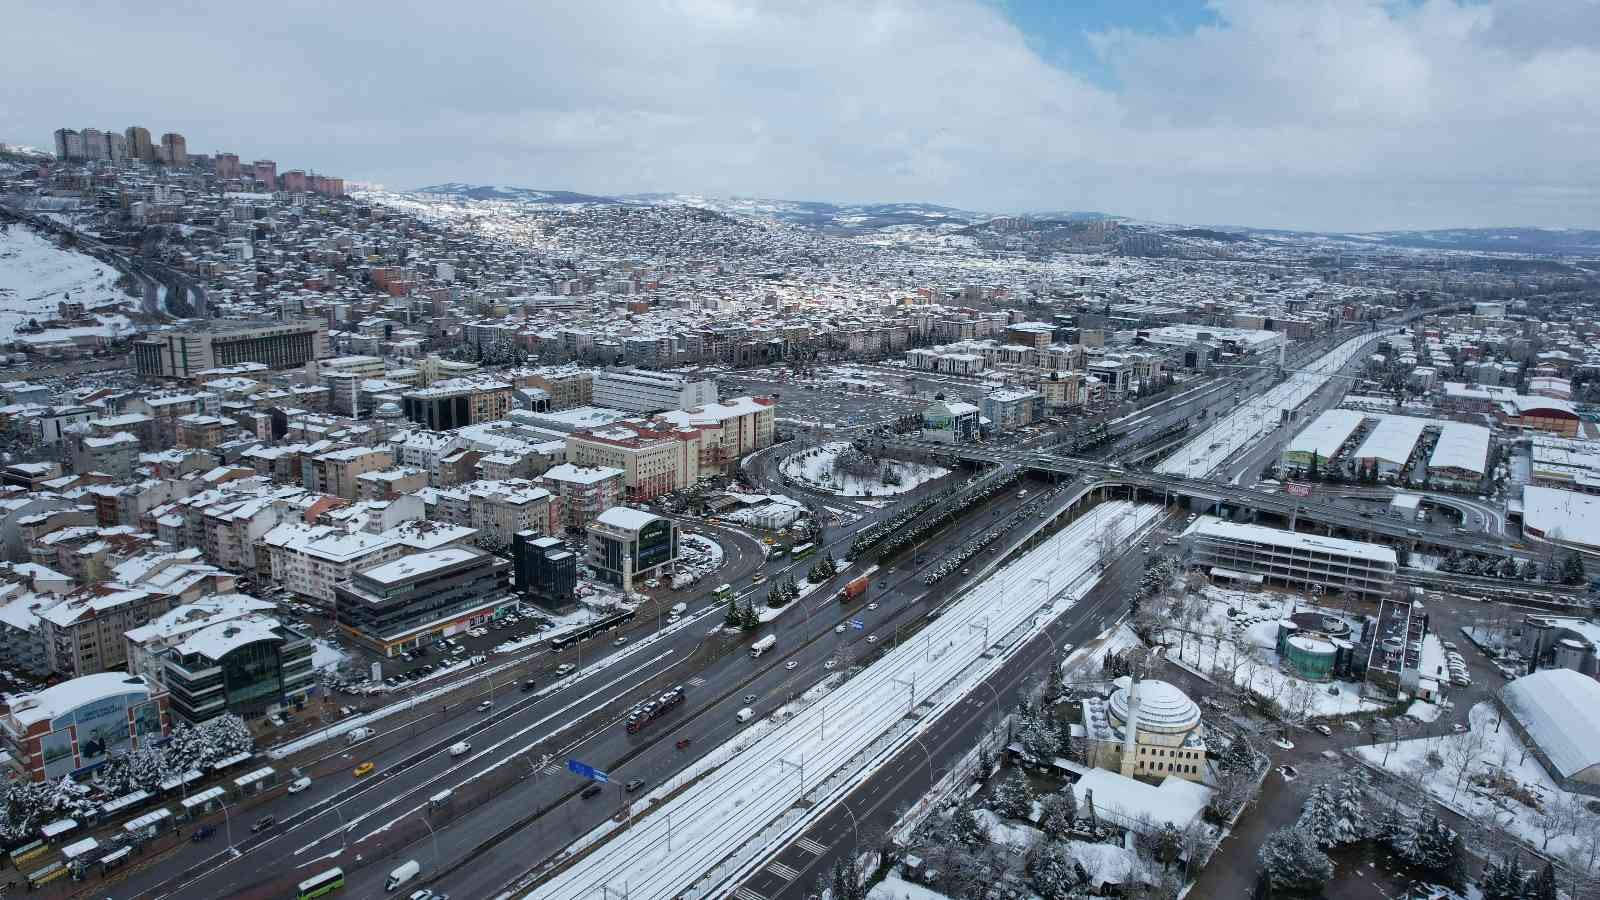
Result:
[
  {"x": 1297, "y": 489},
  {"x": 57, "y": 749},
  {"x": 102, "y": 729}
]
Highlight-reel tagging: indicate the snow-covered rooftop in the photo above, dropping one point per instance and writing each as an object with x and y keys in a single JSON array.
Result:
[
  {"x": 1132, "y": 802},
  {"x": 1326, "y": 433},
  {"x": 217, "y": 640},
  {"x": 1560, "y": 711},
  {"x": 626, "y": 517},
  {"x": 1461, "y": 446},
  {"x": 1565, "y": 516},
  {"x": 67, "y": 696},
  {"x": 1393, "y": 439},
  {"x": 417, "y": 564},
  {"x": 1210, "y": 526}
]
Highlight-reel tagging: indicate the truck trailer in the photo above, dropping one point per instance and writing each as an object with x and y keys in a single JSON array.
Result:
[
  {"x": 854, "y": 589},
  {"x": 763, "y": 645}
]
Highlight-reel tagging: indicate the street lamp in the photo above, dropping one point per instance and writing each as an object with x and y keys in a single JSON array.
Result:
[{"x": 435, "y": 835}]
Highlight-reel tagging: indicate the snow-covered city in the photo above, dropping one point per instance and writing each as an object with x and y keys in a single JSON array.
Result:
[{"x": 805, "y": 453}]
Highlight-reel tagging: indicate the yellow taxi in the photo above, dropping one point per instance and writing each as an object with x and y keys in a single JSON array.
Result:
[{"x": 364, "y": 769}]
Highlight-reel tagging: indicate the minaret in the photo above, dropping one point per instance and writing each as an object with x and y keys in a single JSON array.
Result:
[{"x": 1130, "y": 730}]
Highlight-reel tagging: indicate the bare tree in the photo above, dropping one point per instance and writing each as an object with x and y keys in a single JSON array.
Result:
[{"x": 1462, "y": 755}]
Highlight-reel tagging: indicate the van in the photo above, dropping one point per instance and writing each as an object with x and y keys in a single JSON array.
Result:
[
  {"x": 745, "y": 715},
  {"x": 460, "y": 748},
  {"x": 357, "y": 734},
  {"x": 678, "y": 609},
  {"x": 402, "y": 874}
]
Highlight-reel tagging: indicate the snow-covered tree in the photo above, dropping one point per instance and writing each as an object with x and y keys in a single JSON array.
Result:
[
  {"x": 1505, "y": 880},
  {"x": 1052, "y": 871},
  {"x": 1013, "y": 798},
  {"x": 1058, "y": 814},
  {"x": 1543, "y": 885},
  {"x": 1335, "y": 813},
  {"x": 966, "y": 827},
  {"x": 1239, "y": 757},
  {"x": 1037, "y": 737},
  {"x": 1291, "y": 861}
]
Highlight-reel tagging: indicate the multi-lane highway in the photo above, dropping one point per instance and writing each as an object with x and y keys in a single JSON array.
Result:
[{"x": 385, "y": 816}]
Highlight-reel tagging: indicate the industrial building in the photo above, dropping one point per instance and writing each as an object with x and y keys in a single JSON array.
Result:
[{"x": 1556, "y": 712}]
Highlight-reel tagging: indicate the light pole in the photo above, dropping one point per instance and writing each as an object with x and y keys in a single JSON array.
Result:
[
  {"x": 227, "y": 823},
  {"x": 925, "y": 752},
  {"x": 435, "y": 835},
  {"x": 855, "y": 829}
]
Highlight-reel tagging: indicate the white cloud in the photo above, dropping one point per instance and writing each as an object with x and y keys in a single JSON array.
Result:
[{"x": 1324, "y": 113}]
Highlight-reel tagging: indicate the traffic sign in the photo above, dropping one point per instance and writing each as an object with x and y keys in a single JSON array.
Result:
[
  {"x": 857, "y": 624},
  {"x": 587, "y": 771}
]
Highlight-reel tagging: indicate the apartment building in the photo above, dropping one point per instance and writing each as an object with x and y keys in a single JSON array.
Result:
[
  {"x": 1257, "y": 554},
  {"x": 337, "y": 472},
  {"x": 583, "y": 492},
  {"x": 147, "y": 644},
  {"x": 84, "y": 633},
  {"x": 310, "y": 560}
]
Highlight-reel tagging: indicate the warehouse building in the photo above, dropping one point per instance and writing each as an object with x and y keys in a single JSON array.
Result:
[{"x": 1556, "y": 712}]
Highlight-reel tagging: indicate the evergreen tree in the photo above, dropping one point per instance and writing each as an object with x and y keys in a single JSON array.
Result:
[
  {"x": 1239, "y": 757},
  {"x": 1530, "y": 570},
  {"x": 1506, "y": 881},
  {"x": 1064, "y": 746},
  {"x": 1572, "y": 568},
  {"x": 966, "y": 827},
  {"x": 1058, "y": 814},
  {"x": 1038, "y": 739},
  {"x": 1052, "y": 872},
  {"x": 1544, "y": 884},
  {"x": 1319, "y": 817},
  {"x": 1292, "y": 861},
  {"x": 734, "y": 618},
  {"x": 1013, "y": 798}
]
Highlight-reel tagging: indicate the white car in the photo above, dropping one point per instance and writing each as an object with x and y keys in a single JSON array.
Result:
[
  {"x": 299, "y": 784},
  {"x": 830, "y": 664},
  {"x": 872, "y": 639},
  {"x": 872, "y": 606},
  {"x": 790, "y": 665},
  {"x": 673, "y": 620},
  {"x": 1323, "y": 730},
  {"x": 839, "y": 628}
]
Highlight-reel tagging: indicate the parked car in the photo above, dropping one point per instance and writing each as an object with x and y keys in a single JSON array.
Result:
[{"x": 1323, "y": 730}]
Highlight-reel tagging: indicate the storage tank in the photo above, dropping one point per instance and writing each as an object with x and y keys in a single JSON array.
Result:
[{"x": 1310, "y": 656}]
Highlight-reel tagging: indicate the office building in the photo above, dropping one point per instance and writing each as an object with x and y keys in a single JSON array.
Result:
[
  {"x": 627, "y": 545},
  {"x": 583, "y": 492},
  {"x": 1008, "y": 409},
  {"x": 420, "y": 598},
  {"x": 147, "y": 645},
  {"x": 184, "y": 352},
  {"x": 644, "y": 391},
  {"x": 251, "y": 666},
  {"x": 1257, "y": 554},
  {"x": 455, "y": 402},
  {"x": 543, "y": 569},
  {"x": 950, "y": 422}
]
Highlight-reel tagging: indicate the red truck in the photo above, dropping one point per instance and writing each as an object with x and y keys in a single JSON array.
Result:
[{"x": 854, "y": 589}]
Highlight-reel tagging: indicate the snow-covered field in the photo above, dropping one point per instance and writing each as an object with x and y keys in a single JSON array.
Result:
[
  {"x": 736, "y": 803},
  {"x": 1259, "y": 414},
  {"x": 1486, "y": 750},
  {"x": 814, "y": 467},
  {"x": 36, "y": 275},
  {"x": 1242, "y": 647}
]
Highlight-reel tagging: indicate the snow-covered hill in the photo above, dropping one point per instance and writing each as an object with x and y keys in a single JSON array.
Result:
[{"x": 36, "y": 275}]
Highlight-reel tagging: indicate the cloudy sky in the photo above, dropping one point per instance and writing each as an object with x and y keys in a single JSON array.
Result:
[{"x": 1325, "y": 114}]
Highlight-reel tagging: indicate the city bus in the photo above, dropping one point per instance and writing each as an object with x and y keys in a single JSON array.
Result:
[
  {"x": 722, "y": 591},
  {"x": 801, "y": 551},
  {"x": 317, "y": 885}
]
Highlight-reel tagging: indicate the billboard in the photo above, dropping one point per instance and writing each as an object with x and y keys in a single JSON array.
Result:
[
  {"x": 1297, "y": 489},
  {"x": 103, "y": 729},
  {"x": 56, "y": 748}
]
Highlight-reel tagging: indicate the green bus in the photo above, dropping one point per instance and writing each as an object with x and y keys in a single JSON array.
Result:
[
  {"x": 316, "y": 886},
  {"x": 722, "y": 591}
]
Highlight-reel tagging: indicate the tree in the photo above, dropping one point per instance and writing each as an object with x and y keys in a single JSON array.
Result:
[
  {"x": 1058, "y": 814},
  {"x": 1544, "y": 884},
  {"x": 1572, "y": 568},
  {"x": 734, "y": 618},
  {"x": 1504, "y": 881},
  {"x": 847, "y": 883},
  {"x": 1324, "y": 818},
  {"x": 1037, "y": 738},
  {"x": 966, "y": 827},
  {"x": 1052, "y": 871},
  {"x": 1013, "y": 798},
  {"x": 1239, "y": 757},
  {"x": 1292, "y": 861}
]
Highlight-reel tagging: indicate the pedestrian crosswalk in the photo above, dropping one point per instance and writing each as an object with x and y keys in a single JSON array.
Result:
[
  {"x": 553, "y": 769},
  {"x": 787, "y": 873},
  {"x": 745, "y": 893},
  {"x": 697, "y": 681},
  {"x": 810, "y": 846}
]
